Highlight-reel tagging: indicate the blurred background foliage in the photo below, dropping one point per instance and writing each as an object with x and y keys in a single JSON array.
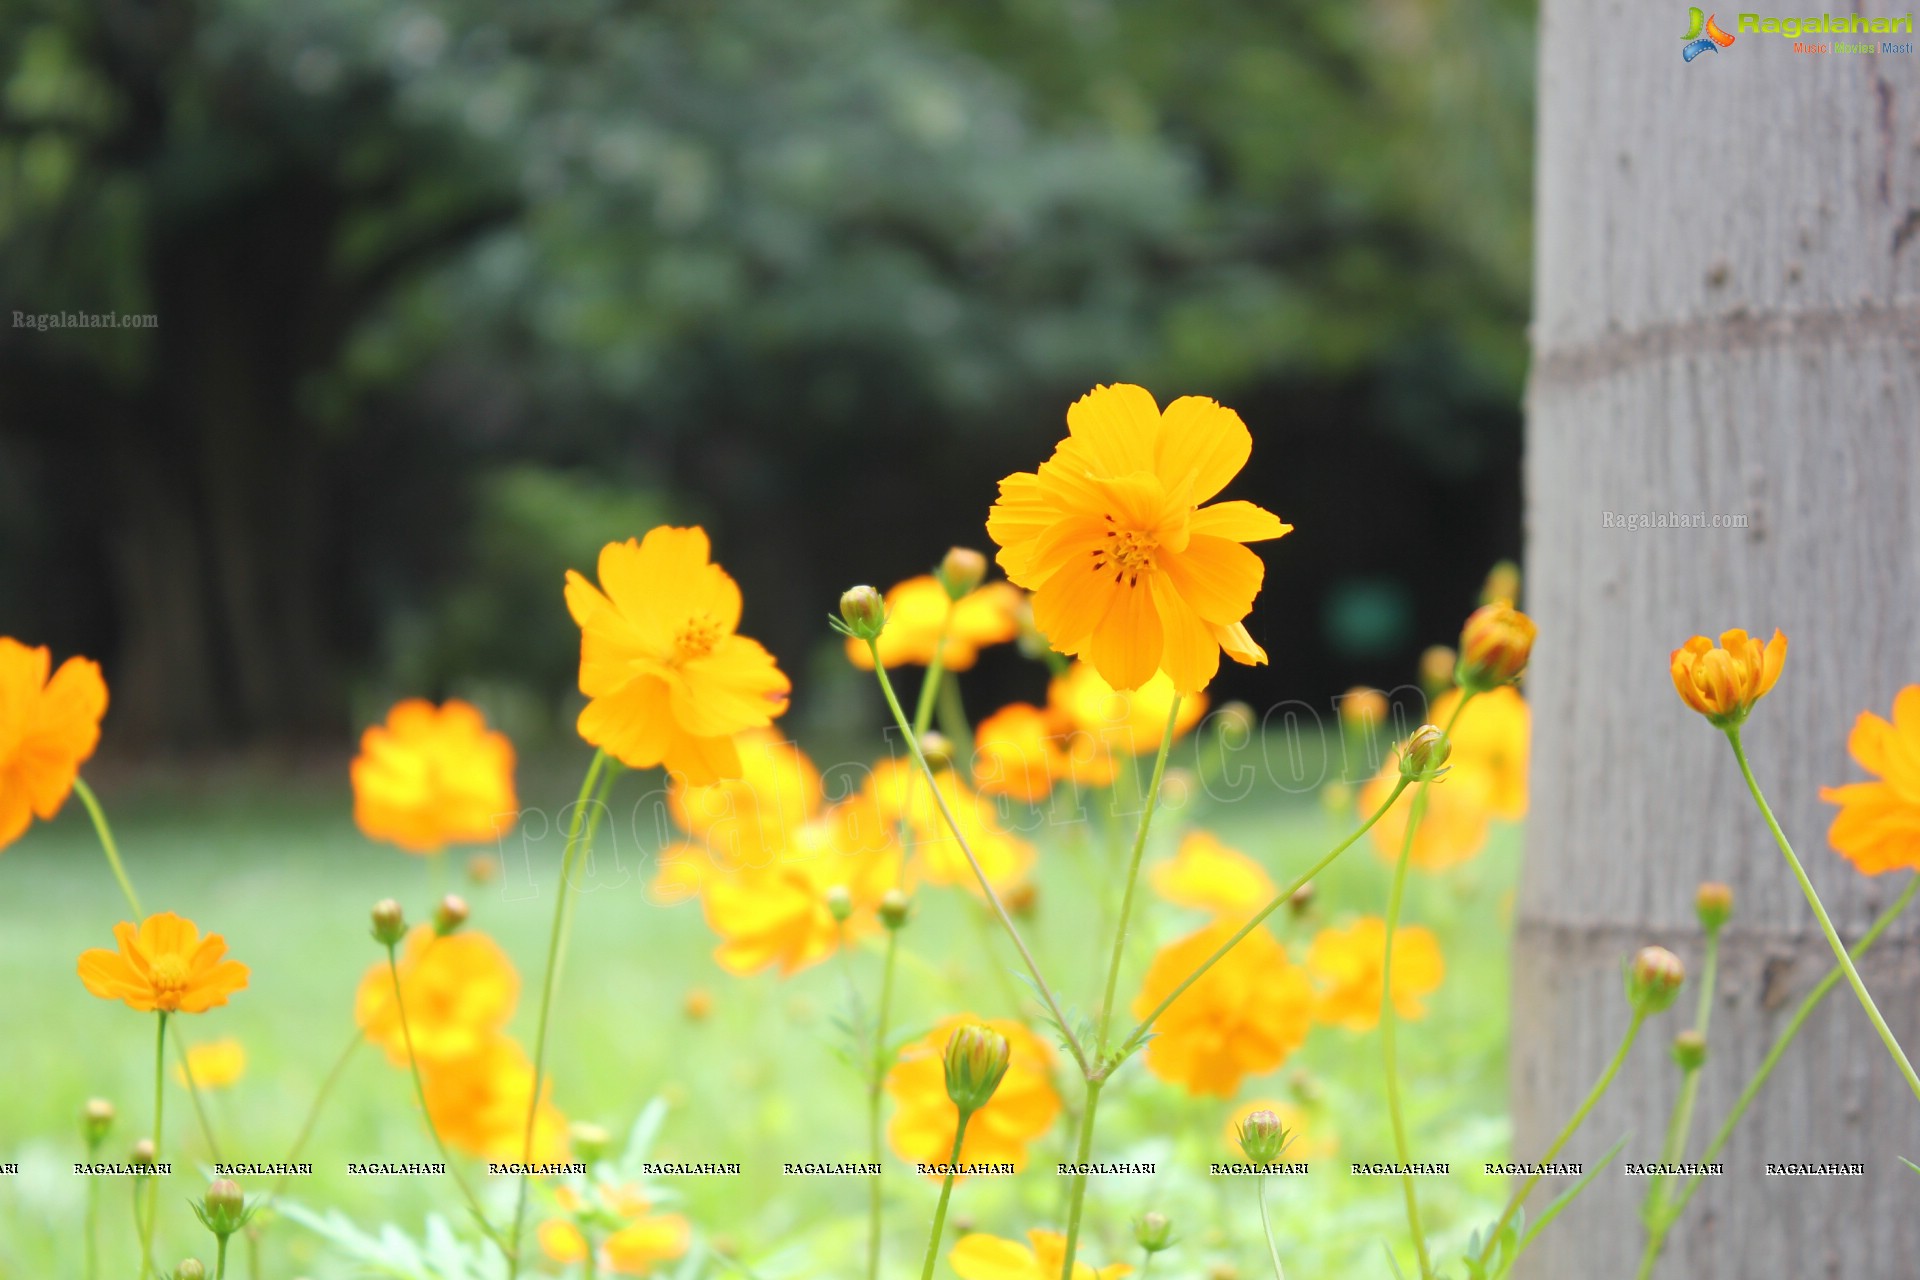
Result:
[{"x": 447, "y": 294}]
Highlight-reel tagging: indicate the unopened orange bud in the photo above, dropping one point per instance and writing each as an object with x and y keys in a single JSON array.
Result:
[
  {"x": 1362, "y": 710},
  {"x": 961, "y": 571},
  {"x": 1495, "y": 645},
  {"x": 450, "y": 914},
  {"x": 976, "y": 1061},
  {"x": 1437, "y": 665},
  {"x": 1654, "y": 979},
  {"x": 1713, "y": 903}
]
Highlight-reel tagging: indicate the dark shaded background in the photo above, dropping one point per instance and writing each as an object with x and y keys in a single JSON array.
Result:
[{"x": 448, "y": 294}]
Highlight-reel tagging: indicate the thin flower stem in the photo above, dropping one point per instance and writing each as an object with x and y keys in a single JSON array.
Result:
[
  {"x": 1780, "y": 1047},
  {"x": 1259, "y": 917},
  {"x": 313, "y": 1113},
  {"x": 986, "y": 885},
  {"x": 930, "y": 682},
  {"x": 589, "y": 1267},
  {"x": 1389, "y": 1015},
  {"x": 220, "y": 1260},
  {"x": 946, "y": 1194},
  {"x": 193, "y": 1091},
  {"x": 93, "y": 1229},
  {"x": 1083, "y": 1154},
  {"x": 105, "y": 832},
  {"x": 1826, "y": 925},
  {"x": 1681, "y": 1122},
  {"x": 426, "y": 1113},
  {"x": 1266, "y": 1225},
  {"x": 153, "y": 1181},
  {"x": 953, "y": 719},
  {"x": 587, "y": 786},
  {"x": 1594, "y": 1095},
  {"x": 876, "y": 1081}
]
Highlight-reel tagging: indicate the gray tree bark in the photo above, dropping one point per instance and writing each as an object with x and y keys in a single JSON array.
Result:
[{"x": 1727, "y": 322}]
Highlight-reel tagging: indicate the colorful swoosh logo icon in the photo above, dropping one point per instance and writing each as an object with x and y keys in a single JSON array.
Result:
[{"x": 1704, "y": 35}]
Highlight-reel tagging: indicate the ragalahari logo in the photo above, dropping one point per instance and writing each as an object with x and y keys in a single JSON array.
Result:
[{"x": 1703, "y": 35}]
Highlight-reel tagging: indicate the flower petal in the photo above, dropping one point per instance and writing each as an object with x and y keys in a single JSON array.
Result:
[
  {"x": 1202, "y": 445},
  {"x": 1128, "y": 644}
]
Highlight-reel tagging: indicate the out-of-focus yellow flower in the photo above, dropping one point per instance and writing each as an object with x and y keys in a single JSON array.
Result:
[
  {"x": 459, "y": 992},
  {"x": 1020, "y": 1111},
  {"x": 917, "y": 608},
  {"x": 1128, "y": 570},
  {"x": 896, "y": 789},
  {"x": 985, "y": 1257},
  {"x": 165, "y": 965},
  {"x": 632, "y": 1249},
  {"x": 1120, "y": 723},
  {"x": 478, "y": 1102},
  {"x": 745, "y": 822},
  {"x": 48, "y": 729},
  {"x": 432, "y": 777},
  {"x": 1207, "y": 874},
  {"x": 1345, "y": 964},
  {"x": 1878, "y": 826},
  {"x": 1722, "y": 683},
  {"x": 671, "y": 681},
  {"x": 1493, "y": 738},
  {"x": 216, "y": 1064},
  {"x": 1306, "y": 1140},
  {"x": 1243, "y": 1017},
  {"x": 778, "y": 916},
  {"x": 1453, "y": 829},
  {"x": 1021, "y": 751},
  {"x": 1363, "y": 709}
]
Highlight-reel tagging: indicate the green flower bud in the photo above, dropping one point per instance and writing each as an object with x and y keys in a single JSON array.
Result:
[
  {"x": 144, "y": 1153},
  {"x": 1262, "y": 1138},
  {"x": 389, "y": 922},
  {"x": 1654, "y": 979},
  {"x": 590, "y": 1142},
  {"x": 1425, "y": 754},
  {"x": 190, "y": 1269},
  {"x": 864, "y": 612},
  {"x": 224, "y": 1208},
  {"x": 96, "y": 1121},
  {"x": 450, "y": 914},
  {"x": 1153, "y": 1232},
  {"x": 961, "y": 571},
  {"x": 839, "y": 903},
  {"x": 976, "y": 1062},
  {"x": 1713, "y": 903},
  {"x": 1690, "y": 1050},
  {"x": 938, "y": 749},
  {"x": 895, "y": 907}
]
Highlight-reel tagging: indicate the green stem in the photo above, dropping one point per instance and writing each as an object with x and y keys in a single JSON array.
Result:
[
  {"x": 93, "y": 1229},
  {"x": 313, "y": 1113},
  {"x": 220, "y": 1260},
  {"x": 946, "y": 1194},
  {"x": 193, "y": 1091},
  {"x": 1266, "y": 1225},
  {"x": 1826, "y": 926},
  {"x": 875, "y": 1085},
  {"x": 1594, "y": 1095},
  {"x": 986, "y": 885},
  {"x": 930, "y": 681},
  {"x": 153, "y": 1184},
  {"x": 953, "y": 720},
  {"x": 1681, "y": 1122},
  {"x": 1389, "y": 1015},
  {"x": 580, "y": 806},
  {"x": 1259, "y": 917},
  {"x": 112, "y": 850},
  {"x": 1780, "y": 1047},
  {"x": 1082, "y": 1155}
]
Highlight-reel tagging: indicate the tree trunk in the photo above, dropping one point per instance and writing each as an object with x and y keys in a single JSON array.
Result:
[{"x": 1727, "y": 322}]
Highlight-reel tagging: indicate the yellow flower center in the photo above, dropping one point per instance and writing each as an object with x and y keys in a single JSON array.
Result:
[
  {"x": 169, "y": 975},
  {"x": 696, "y": 639},
  {"x": 1128, "y": 552}
]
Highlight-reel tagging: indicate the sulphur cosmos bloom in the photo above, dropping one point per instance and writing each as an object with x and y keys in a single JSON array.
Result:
[
  {"x": 1242, "y": 1017},
  {"x": 48, "y": 729},
  {"x": 984, "y": 1257},
  {"x": 433, "y": 776},
  {"x": 917, "y": 612},
  {"x": 1346, "y": 967},
  {"x": 1723, "y": 682},
  {"x": 165, "y": 965},
  {"x": 1878, "y": 826},
  {"x": 216, "y": 1064}
]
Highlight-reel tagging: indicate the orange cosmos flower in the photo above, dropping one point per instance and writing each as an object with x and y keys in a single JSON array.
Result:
[
  {"x": 1491, "y": 739},
  {"x": 1021, "y": 1109},
  {"x": 777, "y": 917},
  {"x": 459, "y": 992},
  {"x": 632, "y": 1249},
  {"x": 1346, "y": 963},
  {"x": 1243, "y": 1017},
  {"x": 1723, "y": 683},
  {"x": 163, "y": 965},
  {"x": 897, "y": 789},
  {"x": 984, "y": 1257},
  {"x": 48, "y": 729},
  {"x": 1021, "y": 751},
  {"x": 1127, "y": 568},
  {"x": 745, "y": 821},
  {"x": 217, "y": 1064},
  {"x": 479, "y": 1103},
  {"x": 916, "y": 610},
  {"x": 433, "y": 776},
  {"x": 1120, "y": 722},
  {"x": 1878, "y": 826},
  {"x": 1305, "y": 1141},
  {"x": 1207, "y": 874},
  {"x": 670, "y": 680}
]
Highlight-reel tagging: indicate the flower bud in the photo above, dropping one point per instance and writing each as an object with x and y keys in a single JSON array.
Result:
[
  {"x": 840, "y": 903},
  {"x": 450, "y": 914},
  {"x": 389, "y": 922},
  {"x": 961, "y": 571},
  {"x": 1713, "y": 903},
  {"x": 590, "y": 1142},
  {"x": 976, "y": 1061},
  {"x": 1723, "y": 681},
  {"x": 483, "y": 868},
  {"x": 1020, "y": 899},
  {"x": 895, "y": 907},
  {"x": 224, "y": 1208},
  {"x": 1223, "y": 1271},
  {"x": 1302, "y": 900},
  {"x": 698, "y": 1004},
  {"x": 1235, "y": 721},
  {"x": 1032, "y": 642},
  {"x": 1437, "y": 666},
  {"x": 1654, "y": 979},
  {"x": 864, "y": 612},
  {"x": 1690, "y": 1050},
  {"x": 1262, "y": 1138},
  {"x": 1425, "y": 754},
  {"x": 1362, "y": 710},
  {"x": 938, "y": 749},
  {"x": 144, "y": 1153},
  {"x": 1502, "y": 585},
  {"x": 190, "y": 1269},
  {"x": 1494, "y": 646},
  {"x": 1153, "y": 1232},
  {"x": 96, "y": 1121}
]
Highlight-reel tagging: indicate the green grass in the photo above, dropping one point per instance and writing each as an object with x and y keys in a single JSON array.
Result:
[{"x": 287, "y": 878}]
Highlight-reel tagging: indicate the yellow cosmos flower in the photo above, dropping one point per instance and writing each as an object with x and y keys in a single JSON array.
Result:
[
  {"x": 984, "y": 1257},
  {"x": 745, "y": 821},
  {"x": 1127, "y": 568},
  {"x": 632, "y": 1249},
  {"x": 1878, "y": 826},
  {"x": 1021, "y": 751},
  {"x": 1207, "y": 874},
  {"x": 1723, "y": 683},
  {"x": 217, "y": 1064},
  {"x": 916, "y": 610},
  {"x": 670, "y": 679},
  {"x": 1243, "y": 1017},
  {"x": 777, "y": 917},
  {"x": 48, "y": 729},
  {"x": 1493, "y": 738},
  {"x": 1308, "y": 1139},
  {"x": 1346, "y": 965},
  {"x": 1454, "y": 827},
  {"x": 163, "y": 965},
  {"x": 479, "y": 1103},
  {"x": 459, "y": 992},
  {"x": 896, "y": 789},
  {"x": 1021, "y": 1110},
  {"x": 433, "y": 776},
  {"x": 1128, "y": 723}
]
